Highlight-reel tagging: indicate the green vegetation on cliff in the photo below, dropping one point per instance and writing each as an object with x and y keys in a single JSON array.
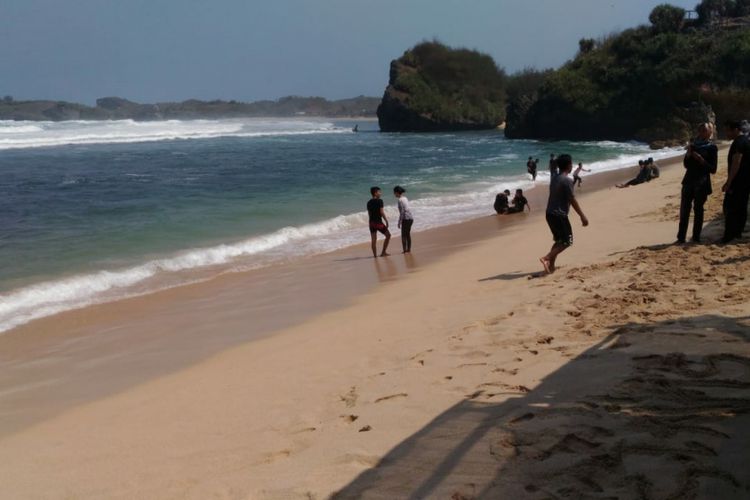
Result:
[
  {"x": 649, "y": 83},
  {"x": 435, "y": 87}
]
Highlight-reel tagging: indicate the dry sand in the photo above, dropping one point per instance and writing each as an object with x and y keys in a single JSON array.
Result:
[{"x": 624, "y": 375}]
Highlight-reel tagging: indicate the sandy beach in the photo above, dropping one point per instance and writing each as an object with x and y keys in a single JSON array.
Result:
[{"x": 453, "y": 374}]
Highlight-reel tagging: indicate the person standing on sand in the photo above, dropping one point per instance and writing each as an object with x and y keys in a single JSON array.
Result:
[
  {"x": 561, "y": 198},
  {"x": 552, "y": 166},
  {"x": 531, "y": 168},
  {"x": 376, "y": 214},
  {"x": 577, "y": 174},
  {"x": 405, "y": 218},
  {"x": 737, "y": 188},
  {"x": 700, "y": 162}
]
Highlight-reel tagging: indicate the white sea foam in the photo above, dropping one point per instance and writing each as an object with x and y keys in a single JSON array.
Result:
[
  {"x": 43, "y": 299},
  {"x": 18, "y": 135}
]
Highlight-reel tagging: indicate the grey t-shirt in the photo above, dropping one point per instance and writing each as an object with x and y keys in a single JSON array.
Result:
[{"x": 560, "y": 195}]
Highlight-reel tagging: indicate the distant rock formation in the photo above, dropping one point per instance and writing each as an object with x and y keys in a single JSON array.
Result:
[
  {"x": 434, "y": 88},
  {"x": 118, "y": 108}
]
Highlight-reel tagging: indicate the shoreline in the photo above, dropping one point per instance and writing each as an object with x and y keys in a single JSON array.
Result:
[
  {"x": 275, "y": 298},
  {"x": 449, "y": 382}
]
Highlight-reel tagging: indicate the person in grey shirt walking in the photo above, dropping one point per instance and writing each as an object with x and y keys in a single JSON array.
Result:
[{"x": 561, "y": 198}]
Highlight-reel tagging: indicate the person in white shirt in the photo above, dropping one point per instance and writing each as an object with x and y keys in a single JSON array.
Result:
[{"x": 405, "y": 218}]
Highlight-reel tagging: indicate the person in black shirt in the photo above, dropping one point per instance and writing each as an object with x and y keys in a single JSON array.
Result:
[
  {"x": 642, "y": 176},
  {"x": 737, "y": 188},
  {"x": 519, "y": 203},
  {"x": 501, "y": 202},
  {"x": 700, "y": 162},
  {"x": 376, "y": 214},
  {"x": 531, "y": 168}
]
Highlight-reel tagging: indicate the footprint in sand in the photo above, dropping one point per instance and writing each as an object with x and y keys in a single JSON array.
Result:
[
  {"x": 350, "y": 398},
  {"x": 349, "y": 418},
  {"x": 392, "y": 396},
  {"x": 275, "y": 456}
]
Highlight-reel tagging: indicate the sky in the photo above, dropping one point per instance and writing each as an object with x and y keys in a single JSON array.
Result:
[{"x": 171, "y": 50}]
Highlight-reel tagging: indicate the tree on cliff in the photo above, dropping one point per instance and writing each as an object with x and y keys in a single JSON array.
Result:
[
  {"x": 650, "y": 83},
  {"x": 433, "y": 87},
  {"x": 667, "y": 18}
]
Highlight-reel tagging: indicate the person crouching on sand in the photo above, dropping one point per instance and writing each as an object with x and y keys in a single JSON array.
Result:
[
  {"x": 376, "y": 214},
  {"x": 561, "y": 198},
  {"x": 405, "y": 218},
  {"x": 501, "y": 202}
]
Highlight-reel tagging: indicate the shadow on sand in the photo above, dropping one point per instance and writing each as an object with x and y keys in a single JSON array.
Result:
[{"x": 658, "y": 410}]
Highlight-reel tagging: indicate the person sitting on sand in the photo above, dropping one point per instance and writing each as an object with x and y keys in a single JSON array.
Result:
[
  {"x": 519, "y": 203},
  {"x": 501, "y": 202},
  {"x": 531, "y": 168},
  {"x": 561, "y": 198},
  {"x": 405, "y": 218},
  {"x": 653, "y": 169},
  {"x": 376, "y": 214},
  {"x": 642, "y": 176},
  {"x": 700, "y": 162},
  {"x": 577, "y": 174}
]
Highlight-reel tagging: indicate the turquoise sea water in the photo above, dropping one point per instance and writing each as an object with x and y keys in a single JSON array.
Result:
[{"x": 93, "y": 211}]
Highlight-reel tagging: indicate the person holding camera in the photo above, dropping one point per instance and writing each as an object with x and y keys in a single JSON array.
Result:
[{"x": 700, "y": 162}]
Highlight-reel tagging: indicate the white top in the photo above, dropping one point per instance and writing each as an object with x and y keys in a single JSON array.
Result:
[{"x": 404, "y": 211}]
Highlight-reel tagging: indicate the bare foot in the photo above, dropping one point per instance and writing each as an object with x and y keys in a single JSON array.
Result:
[
  {"x": 384, "y": 254},
  {"x": 546, "y": 264}
]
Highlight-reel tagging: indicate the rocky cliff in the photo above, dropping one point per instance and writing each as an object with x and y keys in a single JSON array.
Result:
[
  {"x": 433, "y": 88},
  {"x": 651, "y": 83}
]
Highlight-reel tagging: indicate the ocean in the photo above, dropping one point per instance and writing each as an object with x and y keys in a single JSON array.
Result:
[{"x": 95, "y": 211}]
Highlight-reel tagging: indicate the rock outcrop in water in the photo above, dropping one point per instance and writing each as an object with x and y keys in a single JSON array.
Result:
[
  {"x": 117, "y": 108},
  {"x": 436, "y": 88}
]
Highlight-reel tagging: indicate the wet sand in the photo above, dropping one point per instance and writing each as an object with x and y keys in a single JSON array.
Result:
[
  {"x": 77, "y": 356},
  {"x": 623, "y": 374}
]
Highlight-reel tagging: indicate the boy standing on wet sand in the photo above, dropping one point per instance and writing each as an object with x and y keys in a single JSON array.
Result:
[
  {"x": 376, "y": 214},
  {"x": 561, "y": 198}
]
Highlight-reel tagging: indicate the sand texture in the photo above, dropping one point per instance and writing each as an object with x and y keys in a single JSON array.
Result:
[{"x": 626, "y": 374}]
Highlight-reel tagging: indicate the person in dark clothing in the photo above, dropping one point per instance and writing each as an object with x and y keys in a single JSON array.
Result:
[
  {"x": 561, "y": 198},
  {"x": 642, "y": 176},
  {"x": 501, "y": 202},
  {"x": 531, "y": 168},
  {"x": 376, "y": 214},
  {"x": 519, "y": 203},
  {"x": 700, "y": 162},
  {"x": 737, "y": 188}
]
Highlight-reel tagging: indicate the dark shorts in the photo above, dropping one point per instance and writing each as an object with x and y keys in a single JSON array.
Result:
[
  {"x": 562, "y": 232},
  {"x": 379, "y": 227}
]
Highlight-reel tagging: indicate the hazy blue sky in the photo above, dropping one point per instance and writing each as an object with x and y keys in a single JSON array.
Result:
[{"x": 156, "y": 50}]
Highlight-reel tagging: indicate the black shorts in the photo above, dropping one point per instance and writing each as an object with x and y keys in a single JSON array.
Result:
[
  {"x": 379, "y": 226},
  {"x": 562, "y": 232}
]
